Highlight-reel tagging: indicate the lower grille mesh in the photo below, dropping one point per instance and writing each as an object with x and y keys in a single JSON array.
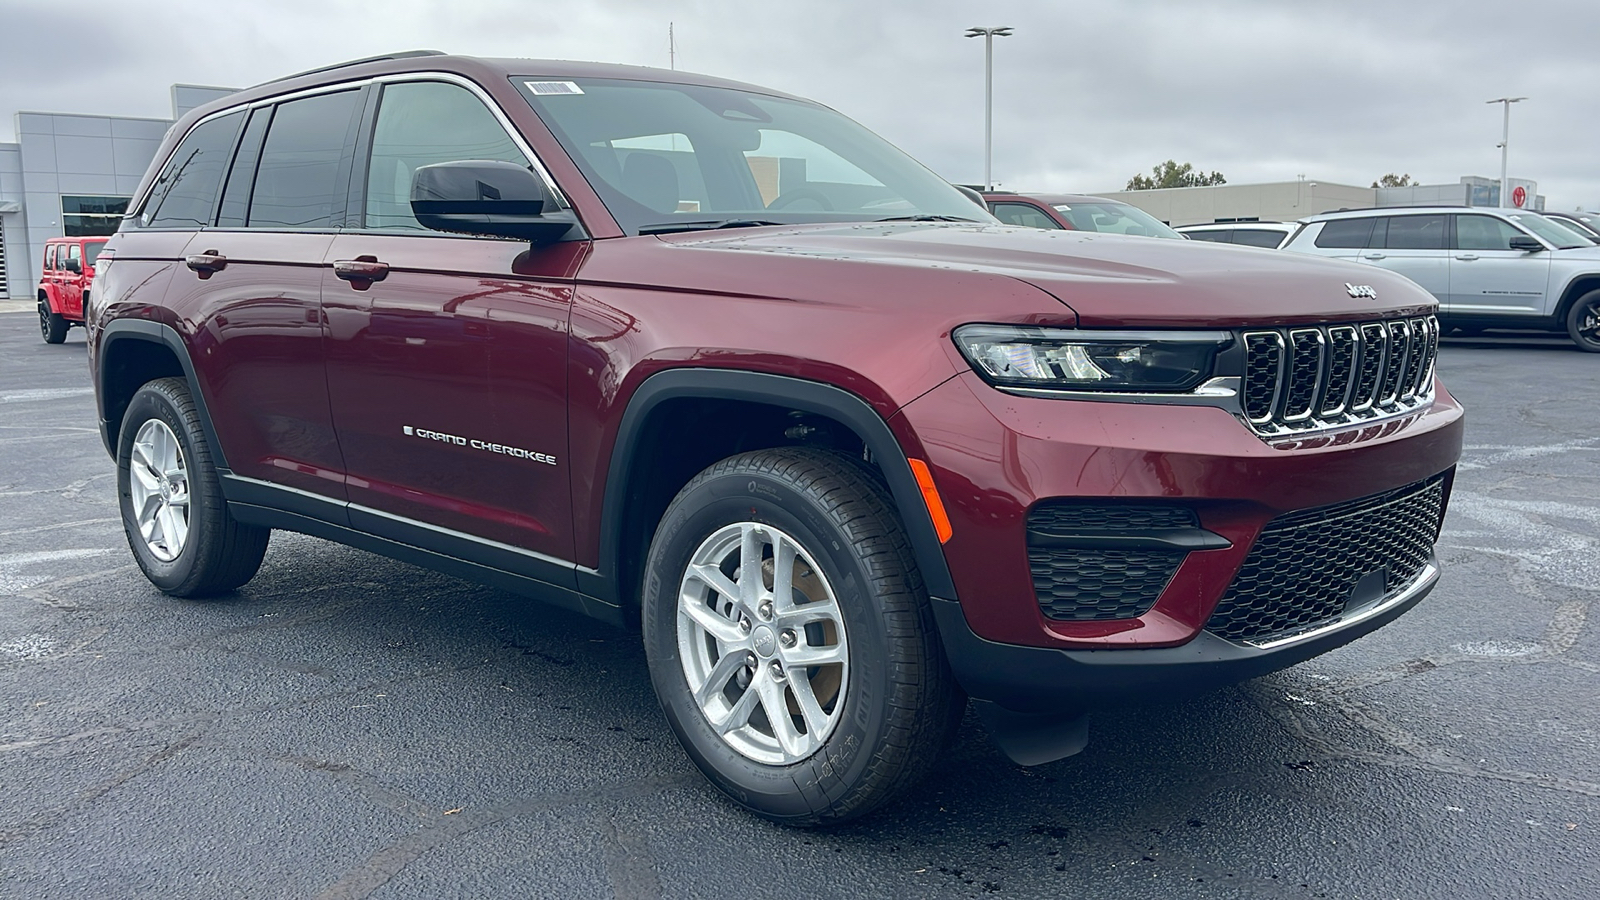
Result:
[
  {"x": 1302, "y": 569},
  {"x": 1084, "y": 585}
]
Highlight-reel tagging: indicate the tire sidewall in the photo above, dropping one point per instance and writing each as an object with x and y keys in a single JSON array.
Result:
[
  {"x": 800, "y": 790},
  {"x": 154, "y": 402}
]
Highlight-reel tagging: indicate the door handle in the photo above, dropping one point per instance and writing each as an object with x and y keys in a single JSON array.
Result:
[
  {"x": 361, "y": 272},
  {"x": 206, "y": 263},
  {"x": 1374, "y": 255},
  {"x": 1468, "y": 257}
]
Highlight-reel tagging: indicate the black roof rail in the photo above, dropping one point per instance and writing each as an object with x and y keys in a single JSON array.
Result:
[
  {"x": 405, "y": 54},
  {"x": 1400, "y": 206}
]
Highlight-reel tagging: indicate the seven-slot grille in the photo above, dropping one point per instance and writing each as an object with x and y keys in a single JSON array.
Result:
[{"x": 1300, "y": 379}]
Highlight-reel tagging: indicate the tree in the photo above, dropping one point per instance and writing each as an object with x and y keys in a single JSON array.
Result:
[
  {"x": 1393, "y": 180},
  {"x": 1171, "y": 174}
]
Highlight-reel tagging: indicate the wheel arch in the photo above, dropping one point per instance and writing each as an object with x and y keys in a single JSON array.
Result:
[
  {"x": 629, "y": 511},
  {"x": 132, "y": 353},
  {"x": 1576, "y": 288}
]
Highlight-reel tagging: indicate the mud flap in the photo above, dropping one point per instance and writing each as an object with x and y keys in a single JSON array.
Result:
[{"x": 1032, "y": 739}]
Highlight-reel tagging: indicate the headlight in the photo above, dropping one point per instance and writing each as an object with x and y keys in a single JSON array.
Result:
[{"x": 1074, "y": 360}]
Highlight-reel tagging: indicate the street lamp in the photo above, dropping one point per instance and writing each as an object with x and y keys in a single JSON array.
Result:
[
  {"x": 988, "y": 35},
  {"x": 1505, "y": 139}
]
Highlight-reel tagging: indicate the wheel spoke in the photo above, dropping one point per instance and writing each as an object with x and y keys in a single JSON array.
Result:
[
  {"x": 148, "y": 509},
  {"x": 783, "y": 558},
  {"x": 810, "y": 709},
  {"x": 806, "y": 655},
  {"x": 145, "y": 476},
  {"x": 820, "y": 611},
  {"x": 174, "y": 527},
  {"x": 739, "y": 714},
  {"x": 776, "y": 706},
  {"x": 712, "y": 577},
  {"x": 725, "y": 630},
  {"x": 749, "y": 566},
  {"x": 725, "y": 668}
]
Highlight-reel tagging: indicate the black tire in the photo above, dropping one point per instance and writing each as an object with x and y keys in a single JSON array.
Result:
[
  {"x": 52, "y": 327},
  {"x": 899, "y": 705},
  {"x": 1583, "y": 322},
  {"x": 218, "y": 553}
]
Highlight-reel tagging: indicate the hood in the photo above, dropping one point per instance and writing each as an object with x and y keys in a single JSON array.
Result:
[{"x": 1108, "y": 280}]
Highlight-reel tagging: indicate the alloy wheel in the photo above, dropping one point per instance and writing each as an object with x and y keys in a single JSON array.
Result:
[
  {"x": 159, "y": 483},
  {"x": 762, "y": 643}
]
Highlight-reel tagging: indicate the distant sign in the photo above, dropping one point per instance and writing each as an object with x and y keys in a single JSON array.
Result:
[{"x": 1519, "y": 196}]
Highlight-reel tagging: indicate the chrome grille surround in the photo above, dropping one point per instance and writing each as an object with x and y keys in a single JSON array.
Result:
[{"x": 1331, "y": 376}]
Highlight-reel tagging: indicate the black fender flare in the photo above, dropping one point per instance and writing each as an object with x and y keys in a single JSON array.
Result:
[
  {"x": 776, "y": 390},
  {"x": 155, "y": 333}
]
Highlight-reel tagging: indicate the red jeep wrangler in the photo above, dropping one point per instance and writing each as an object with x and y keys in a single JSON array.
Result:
[
  {"x": 719, "y": 363},
  {"x": 64, "y": 284}
]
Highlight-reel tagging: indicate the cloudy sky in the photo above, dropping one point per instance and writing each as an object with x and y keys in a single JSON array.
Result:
[{"x": 1087, "y": 92}]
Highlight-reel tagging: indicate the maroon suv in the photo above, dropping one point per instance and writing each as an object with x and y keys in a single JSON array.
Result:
[{"x": 671, "y": 350}]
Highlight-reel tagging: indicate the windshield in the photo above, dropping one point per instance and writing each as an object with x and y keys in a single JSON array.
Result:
[
  {"x": 673, "y": 157},
  {"x": 91, "y": 251},
  {"x": 1114, "y": 218},
  {"x": 1583, "y": 230},
  {"x": 1561, "y": 237}
]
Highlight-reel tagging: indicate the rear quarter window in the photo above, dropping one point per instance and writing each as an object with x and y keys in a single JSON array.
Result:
[{"x": 1352, "y": 234}]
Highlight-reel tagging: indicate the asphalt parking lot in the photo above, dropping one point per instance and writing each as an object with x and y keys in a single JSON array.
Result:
[{"x": 351, "y": 727}]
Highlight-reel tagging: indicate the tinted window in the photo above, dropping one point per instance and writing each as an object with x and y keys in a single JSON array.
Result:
[
  {"x": 50, "y": 256},
  {"x": 1483, "y": 233},
  {"x": 1416, "y": 233},
  {"x": 1257, "y": 237},
  {"x": 297, "y": 180},
  {"x": 1350, "y": 234},
  {"x": 1023, "y": 214},
  {"x": 186, "y": 192},
  {"x": 236, "y": 195},
  {"x": 1217, "y": 236},
  {"x": 420, "y": 124},
  {"x": 92, "y": 251}
]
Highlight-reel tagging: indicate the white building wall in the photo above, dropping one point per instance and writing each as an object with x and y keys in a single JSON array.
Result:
[
  {"x": 13, "y": 225},
  {"x": 1282, "y": 201}
]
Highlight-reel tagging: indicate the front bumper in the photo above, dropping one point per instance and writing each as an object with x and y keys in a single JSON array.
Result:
[{"x": 1044, "y": 681}]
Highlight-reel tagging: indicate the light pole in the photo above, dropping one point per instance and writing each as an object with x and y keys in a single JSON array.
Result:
[
  {"x": 1505, "y": 139},
  {"x": 988, "y": 35}
]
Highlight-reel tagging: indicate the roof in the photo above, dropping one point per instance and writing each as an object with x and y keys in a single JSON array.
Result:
[{"x": 1052, "y": 199}]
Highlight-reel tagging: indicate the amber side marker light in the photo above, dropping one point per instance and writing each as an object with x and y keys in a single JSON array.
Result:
[{"x": 930, "y": 497}]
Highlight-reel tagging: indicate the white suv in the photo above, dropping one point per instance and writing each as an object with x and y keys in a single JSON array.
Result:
[
  {"x": 1506, "y": 268},
  {"x": 1270, "y": 235}
]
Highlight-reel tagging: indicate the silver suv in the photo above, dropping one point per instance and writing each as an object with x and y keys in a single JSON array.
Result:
[{"x": 1490, "y": 268}]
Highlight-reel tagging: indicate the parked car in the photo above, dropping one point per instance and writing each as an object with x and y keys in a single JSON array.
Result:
[
  {"x": 1074, "y": 212},
  {"x": 1489, "y": 268},
  {"x": 1574, "y": 222},
  {"x": 65, "y": 283},
  {"x": 1270, "y": 235},
  {"x": 719, "y": 363}
]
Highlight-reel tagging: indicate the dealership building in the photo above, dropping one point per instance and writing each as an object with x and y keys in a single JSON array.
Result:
[
  {"x": 1286, "y": 201},
  {"x": 70, "y": 174}
]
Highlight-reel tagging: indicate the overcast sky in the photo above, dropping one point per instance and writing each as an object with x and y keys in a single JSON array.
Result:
[{"x": 1087, "y": 92}]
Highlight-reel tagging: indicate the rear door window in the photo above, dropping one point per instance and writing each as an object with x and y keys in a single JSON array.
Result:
[
  {"x": 303, "y": 162},
  {"x": 1415, "y": 233},
  {"x": 1023, "y": 214},
  {"x": 50, "y": 257},
  {"x": 1346, "y": 234},
  {"x": 1257, "y": 237},
  {"x": 185, "y": 194}
]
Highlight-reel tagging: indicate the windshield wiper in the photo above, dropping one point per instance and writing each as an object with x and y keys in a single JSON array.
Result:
[
  {"x": 703, "y": 225},
  {"x": 925, "y": 218}
]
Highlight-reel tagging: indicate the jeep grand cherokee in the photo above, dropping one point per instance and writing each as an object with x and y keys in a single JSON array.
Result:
[{"x": 676, "y": 351}]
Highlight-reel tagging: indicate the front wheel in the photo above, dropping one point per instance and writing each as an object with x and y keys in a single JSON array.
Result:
[
  {"x": 790, "y": 640},
  {"x": 172, "y": 507},
  {"x": 52, "y": 327},
  {"x": 1583, "y": 322}
]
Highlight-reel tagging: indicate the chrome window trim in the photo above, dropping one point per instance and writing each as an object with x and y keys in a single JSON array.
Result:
[{"x": 450, "y": 77}]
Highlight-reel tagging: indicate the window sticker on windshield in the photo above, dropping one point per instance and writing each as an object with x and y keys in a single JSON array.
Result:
[{"x": 551, "y": 88}]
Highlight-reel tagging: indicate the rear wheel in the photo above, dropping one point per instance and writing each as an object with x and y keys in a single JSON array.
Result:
[
  {"x": 790, "y": 640},
  {"x": 172, "y": 507},
  {"x": 1583, "y": 322},
  {"x": 52, "y": 327}
]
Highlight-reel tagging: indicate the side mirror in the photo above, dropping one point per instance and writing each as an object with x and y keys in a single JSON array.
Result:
[
  {"x": 1529, "y": 244},
  {"x": 73, "y": 265},
  {"x": 479, "y": 196}
]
